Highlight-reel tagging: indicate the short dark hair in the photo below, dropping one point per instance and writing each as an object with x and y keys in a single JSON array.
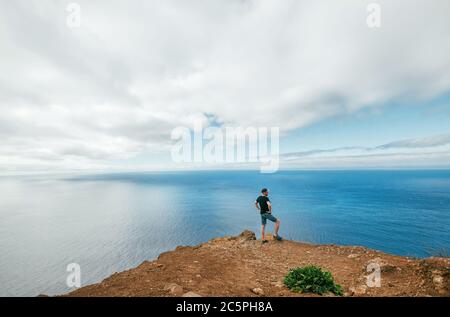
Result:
[{"x": 263, "y": 190}]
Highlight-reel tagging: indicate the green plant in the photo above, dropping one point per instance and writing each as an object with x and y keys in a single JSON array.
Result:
[{"x": 311, "y": 279}]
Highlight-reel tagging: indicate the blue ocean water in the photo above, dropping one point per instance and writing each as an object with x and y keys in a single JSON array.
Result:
[{"x": 108, "y": 223}]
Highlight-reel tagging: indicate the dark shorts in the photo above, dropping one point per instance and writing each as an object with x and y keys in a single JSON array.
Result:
[{"x": 266, "y": 216}]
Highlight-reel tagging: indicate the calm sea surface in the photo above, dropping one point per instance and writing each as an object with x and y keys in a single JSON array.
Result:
[{"x": 108, "y": 223}]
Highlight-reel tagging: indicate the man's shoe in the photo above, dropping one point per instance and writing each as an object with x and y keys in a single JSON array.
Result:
[
  {"x": 264, "y": 241},
  {"x": 277, "y": 237}
]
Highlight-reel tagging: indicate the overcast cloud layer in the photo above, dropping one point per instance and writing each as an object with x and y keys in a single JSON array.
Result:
[{"x": 76, "y": 98}]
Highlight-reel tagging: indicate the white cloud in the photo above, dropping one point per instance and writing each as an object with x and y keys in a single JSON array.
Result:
[
  {"x": 135, "y": 69},
  {"x": 432, "y": 151},
  {"x": 433, "y": 141}
]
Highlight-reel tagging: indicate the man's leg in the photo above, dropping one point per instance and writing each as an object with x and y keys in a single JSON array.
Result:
[
  {"x": 262, "y": 232},
  {"x": 277, "y": 226}
]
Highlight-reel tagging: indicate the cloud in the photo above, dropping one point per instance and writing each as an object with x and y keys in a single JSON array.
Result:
[
  {"x": 418, "y": 143},
  {"x": 294, "y": 155},
  {"x": 432, "y": 141},
  {"x": 134, "y": 70},
  {"x": 433, "y": 151}
]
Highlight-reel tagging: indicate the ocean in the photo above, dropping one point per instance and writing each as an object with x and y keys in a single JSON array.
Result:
[{"x": 107, "y": 223}]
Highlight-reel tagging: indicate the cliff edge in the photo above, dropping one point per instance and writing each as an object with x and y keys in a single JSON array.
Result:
[{"x": 242, "y": 266}]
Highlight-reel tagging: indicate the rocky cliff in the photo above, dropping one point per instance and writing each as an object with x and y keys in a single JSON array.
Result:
[{"x": 243, "y": 266}]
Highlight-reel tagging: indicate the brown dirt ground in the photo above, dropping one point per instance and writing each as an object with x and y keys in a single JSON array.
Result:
[{"x": 236, "y": 266}]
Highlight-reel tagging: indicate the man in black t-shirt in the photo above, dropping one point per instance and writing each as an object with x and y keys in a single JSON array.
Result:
[{"x": 265, "y": 207}]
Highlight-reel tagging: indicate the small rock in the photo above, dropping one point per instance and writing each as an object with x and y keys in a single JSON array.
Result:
[
  {"x": 247, "y": 235},
  {"x": 358, "y": 291},
  {"x": 191, "y": 294},
  {"x": 177, "y": 290},
  {"x": 353, "y": 255},
  {"x": 258, "y": 291},
  {"x": 168, "y": 286},
  {"x": 438, "y": 280},
  {"x": 174, "y": 289},
  {"x": 278, "y": 284}
]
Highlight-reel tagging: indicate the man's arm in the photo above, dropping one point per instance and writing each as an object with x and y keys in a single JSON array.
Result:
[
  {"x": 257, "y": 205},
  {"x": 270, "y": 206}
]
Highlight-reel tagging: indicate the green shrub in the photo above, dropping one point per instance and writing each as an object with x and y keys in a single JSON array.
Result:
[{"x": 311, "y": 279}]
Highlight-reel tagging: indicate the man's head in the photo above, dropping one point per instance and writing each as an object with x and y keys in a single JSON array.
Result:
[{"x": 265, "y": 191}]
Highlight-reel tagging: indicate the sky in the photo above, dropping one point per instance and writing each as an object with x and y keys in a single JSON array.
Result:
[{"x": 106, "y": 94}]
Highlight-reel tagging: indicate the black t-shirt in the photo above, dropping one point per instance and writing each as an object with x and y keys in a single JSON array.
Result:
[{"x": 262, "y": 201}]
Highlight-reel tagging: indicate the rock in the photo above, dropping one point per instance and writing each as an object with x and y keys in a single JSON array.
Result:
[
  {"x": 247, "y": 235},
  {"x": 233, "y": 266},
  {"x": 174, "y": 289},
  {"x": 278, "y": 284},
  {"x": 442, "y": 292},
  {"x": 177, "y": 290},
  {"x": 358, "y": 291},
  {"x": 191, "y": 294},
  {"x": 389, "y": 268},
  {"x": 168, "y": 286},
  {"x": 258, "y": 291},
  {"x": 438, "y": 280}
]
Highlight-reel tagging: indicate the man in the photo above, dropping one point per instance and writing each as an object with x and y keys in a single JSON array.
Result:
[{"x": 263, "y": 204}]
